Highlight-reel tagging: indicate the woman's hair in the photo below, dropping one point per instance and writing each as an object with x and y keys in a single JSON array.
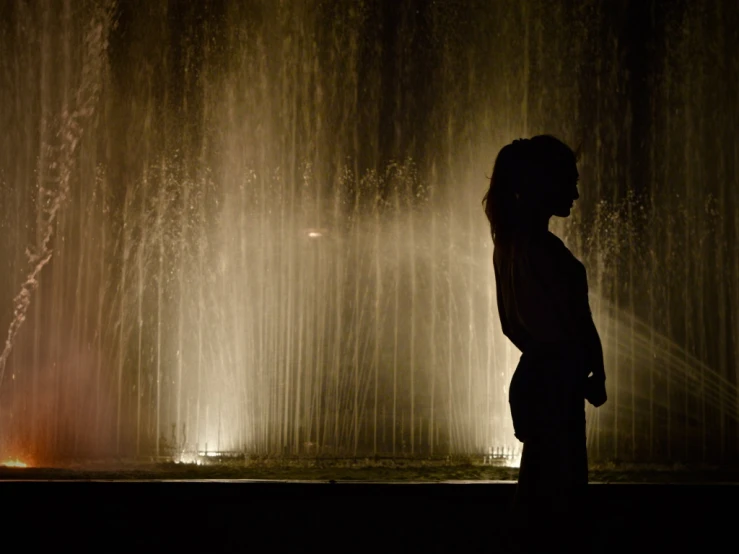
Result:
[{"x": 522, "y": 172}]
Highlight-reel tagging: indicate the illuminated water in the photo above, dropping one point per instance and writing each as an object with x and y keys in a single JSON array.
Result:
[{"x": 258, "y": 229}]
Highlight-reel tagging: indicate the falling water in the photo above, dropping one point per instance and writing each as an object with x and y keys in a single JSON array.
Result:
[{"x": 257, "y": 228}]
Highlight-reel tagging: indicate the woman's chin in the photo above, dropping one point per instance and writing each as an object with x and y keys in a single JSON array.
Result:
[{"x": 563, "y": 212}]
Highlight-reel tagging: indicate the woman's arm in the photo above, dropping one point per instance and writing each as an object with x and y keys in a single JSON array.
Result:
[
  {"x": 595, "y": 391},
  {"x": 594, "y": 350}
]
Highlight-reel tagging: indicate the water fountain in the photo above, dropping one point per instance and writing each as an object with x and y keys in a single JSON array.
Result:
[{"x": 257, "y": 228}]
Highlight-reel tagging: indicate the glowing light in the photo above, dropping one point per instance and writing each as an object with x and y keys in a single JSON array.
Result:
[
  {"x": 190, "y": 459},
  {"x": 210, "y": 454},
  {"x": 513, "y": 461},
  {"x": 315, "y": 233},
  {"x": 503, "y": 457},
  {"x": 13, "y": 463}
]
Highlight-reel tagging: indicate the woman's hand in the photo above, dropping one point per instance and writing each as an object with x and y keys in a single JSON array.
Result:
[{"x": 595, "y": 390}]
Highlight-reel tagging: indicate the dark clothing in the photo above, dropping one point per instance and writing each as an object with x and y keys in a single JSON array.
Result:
[
  {"x": 547, "y": 392},
  {"x": 543, "y": 304},
  {"x": 548, "y": 409},
  {"x": 542, "y": 292}
]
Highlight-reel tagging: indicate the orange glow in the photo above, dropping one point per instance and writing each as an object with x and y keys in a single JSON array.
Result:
[{"x": 12, "y": 463}]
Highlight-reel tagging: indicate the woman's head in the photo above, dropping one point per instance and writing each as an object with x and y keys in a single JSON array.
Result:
[{"x": 533, "y": 179}]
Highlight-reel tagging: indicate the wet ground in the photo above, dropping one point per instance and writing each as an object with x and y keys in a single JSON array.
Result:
[
  {"x": 382, "y": 470},
  {"x": 226, "y": 515}
]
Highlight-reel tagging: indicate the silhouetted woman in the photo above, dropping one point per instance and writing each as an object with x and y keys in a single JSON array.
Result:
[{"x": 543, "y": 305}]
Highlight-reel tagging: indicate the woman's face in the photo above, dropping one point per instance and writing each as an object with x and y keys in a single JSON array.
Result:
[{"x": 564, "y": 190}]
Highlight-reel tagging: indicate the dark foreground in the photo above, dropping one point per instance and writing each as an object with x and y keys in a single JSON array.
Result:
[{"x": 270, "y": 517}]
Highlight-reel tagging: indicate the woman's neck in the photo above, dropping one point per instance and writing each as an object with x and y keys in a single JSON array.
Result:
[{"x": 538, "y": 224}]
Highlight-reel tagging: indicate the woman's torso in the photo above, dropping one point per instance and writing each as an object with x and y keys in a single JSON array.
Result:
[{"x": 542, "y": 286}]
